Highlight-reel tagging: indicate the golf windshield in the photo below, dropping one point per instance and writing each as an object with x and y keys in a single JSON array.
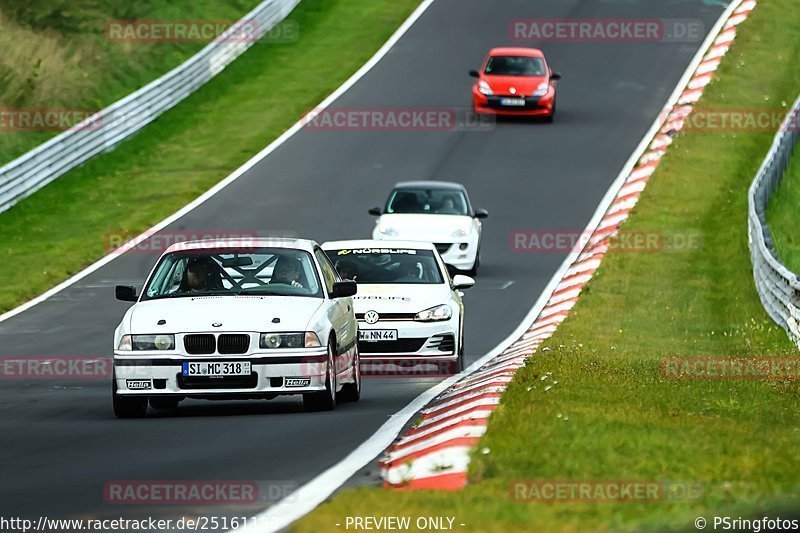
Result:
[
  {"x": 387, "y": 265},
  {"x": 269, "y": 271}
]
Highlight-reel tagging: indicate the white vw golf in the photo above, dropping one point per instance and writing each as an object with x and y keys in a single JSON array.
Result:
[
  {"x": 230, "y": 319},
  {"x": 408, "y": 309},
  {"x": 434, "y": 211}
]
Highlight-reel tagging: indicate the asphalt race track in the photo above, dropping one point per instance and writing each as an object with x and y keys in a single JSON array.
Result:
[{"x": 60, "y": 440}]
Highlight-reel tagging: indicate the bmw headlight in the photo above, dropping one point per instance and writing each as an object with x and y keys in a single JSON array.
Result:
[
  {"x": 147, "y": 342},
  {"x": 435, "y": 314},
  {"x": 271, "y": 341},
  {"x": 542, "y": 89},
  {"x": 483, "y": 88}
]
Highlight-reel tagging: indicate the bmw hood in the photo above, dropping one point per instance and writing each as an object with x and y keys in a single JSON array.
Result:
[
  {"x": 232, "y": 313},
  {"x": 399, "y": 297},
  {"x": 427, "y": 228}
]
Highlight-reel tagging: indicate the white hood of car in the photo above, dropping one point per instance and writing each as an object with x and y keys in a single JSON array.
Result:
[
  {"x": 428, "y": 228},
  {"x": 235, "y": 313},
  {"x": 399, "y": 298}
]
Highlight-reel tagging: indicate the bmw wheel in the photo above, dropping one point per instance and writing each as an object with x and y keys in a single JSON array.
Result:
[
  {"x": 352, "y": 391},
  {"x": 128, "y": 406},
  {"x": 324, "y": 400}
]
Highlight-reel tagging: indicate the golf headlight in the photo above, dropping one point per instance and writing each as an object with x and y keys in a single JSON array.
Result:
[
  {"x": 459, "y": 233},
  {"x": 434, "y": 314},
  {"x": 271, "y": 341},
  {"x": 484, "y": 88},
  {"x": 391, "y": 232},
  {"x": 147, "y": 342},
  {"x": 542, "y": 89}
]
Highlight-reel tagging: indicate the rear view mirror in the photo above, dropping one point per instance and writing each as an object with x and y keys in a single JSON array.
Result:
[
  {"x": 237, "y": 262},
  {"x": 125, "y": 293},
  {"x": 555, "y": 76},
  {"x": 342, "y": 289},
  {"x": 474, "y": 73},
  {"x": 375, "y": 211},
  {"x": 481, "y": 213}
]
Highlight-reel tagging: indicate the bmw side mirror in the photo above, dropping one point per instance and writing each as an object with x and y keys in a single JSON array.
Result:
[
  {"x": 342, "y": 289},
  {"x": 461, "y": 281},
  {"x": 481, "y": 213},
  {"x": 474, "y": 73},
  {"x": 555, "y": 76},
  {"x": 375, "y": 211},
  {"x": 125, "y": 293}
]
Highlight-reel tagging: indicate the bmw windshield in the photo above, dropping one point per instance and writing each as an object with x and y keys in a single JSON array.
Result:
[{"x": 269, "y": 271}]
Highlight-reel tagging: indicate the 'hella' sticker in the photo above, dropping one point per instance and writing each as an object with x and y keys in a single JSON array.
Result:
[
  {"x": 297, "y": 382},
  {"x": 138, "y": 384}
]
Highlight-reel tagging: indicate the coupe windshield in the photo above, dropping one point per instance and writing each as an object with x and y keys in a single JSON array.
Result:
[
  {"x": 427, "y": 201},
  {"x": 387, "y": 265},
  {"x": 515, "y": 66},
  {"x": 268, "y": 271}
]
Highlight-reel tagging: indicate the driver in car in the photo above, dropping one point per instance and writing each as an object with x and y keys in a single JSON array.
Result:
[
  {"x": 200, "y": 276},
  {"x": 287, "y": 272},
  {"x": 408, "y": 272},
  {"x": 347, "y": 270}
]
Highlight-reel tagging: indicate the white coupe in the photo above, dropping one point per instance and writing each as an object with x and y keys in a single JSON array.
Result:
[
  {"x": 409, "y": 311},
  {"x": 434, "y": 211},
  {"x": 230, "y": 319}
]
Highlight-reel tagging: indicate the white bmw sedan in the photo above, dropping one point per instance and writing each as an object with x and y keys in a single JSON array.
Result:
[
  {"x": 409, "y": 311},
  {"x": 434, "y": 211},
  {"x": 230, "y": 319}
]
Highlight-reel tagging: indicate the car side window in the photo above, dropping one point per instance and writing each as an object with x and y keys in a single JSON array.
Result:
[{"x": 328, "y": 272}]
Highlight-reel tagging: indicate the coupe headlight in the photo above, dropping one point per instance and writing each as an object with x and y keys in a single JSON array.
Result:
[
  {"x": 459, "y": 233},
  {"x": 271, "y": 341},
  {"x": 147, "y": 342},
  {"x": 389, "y": 232},
  {"x": 435, "y": 314},
  {"x": 542, "y": 89},
  {"x": 484, "y": 88}
]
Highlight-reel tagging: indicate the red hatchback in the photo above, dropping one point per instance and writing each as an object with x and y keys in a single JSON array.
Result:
[{"x": 515, "y": 81}]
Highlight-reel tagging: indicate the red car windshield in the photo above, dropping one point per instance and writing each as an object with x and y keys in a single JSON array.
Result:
[{"x": 515, "y": 66}]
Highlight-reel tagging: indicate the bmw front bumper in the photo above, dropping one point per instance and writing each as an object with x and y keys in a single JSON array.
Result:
[{"x": 289, "y": 372}]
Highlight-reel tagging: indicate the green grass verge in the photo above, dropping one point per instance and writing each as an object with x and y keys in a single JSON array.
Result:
[
  {"x": 62, "y": 228},
  {"x": 783, "y": 215},
  {"x": 611, "y": 416},
  {"x": 55, "y": 54}
]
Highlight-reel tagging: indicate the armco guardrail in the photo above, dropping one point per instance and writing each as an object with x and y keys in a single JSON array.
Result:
[
  {"x": 777, "y": 286},
  {"x": 108, "y": 127}
]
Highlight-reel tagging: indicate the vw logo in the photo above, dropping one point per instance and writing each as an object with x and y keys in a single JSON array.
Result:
[
  {"x": 217, "y": 324},
  {"x": 513, "y": 90},
  {"x": 371, "y": 317}
]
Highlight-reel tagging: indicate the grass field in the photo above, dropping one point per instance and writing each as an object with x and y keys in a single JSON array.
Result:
[
  {"x": 191, "y": 147},
  {"x": 56, "y": 54},
  {"x": 612, "y": 415},
  {"x": 783, "y": 215}
]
